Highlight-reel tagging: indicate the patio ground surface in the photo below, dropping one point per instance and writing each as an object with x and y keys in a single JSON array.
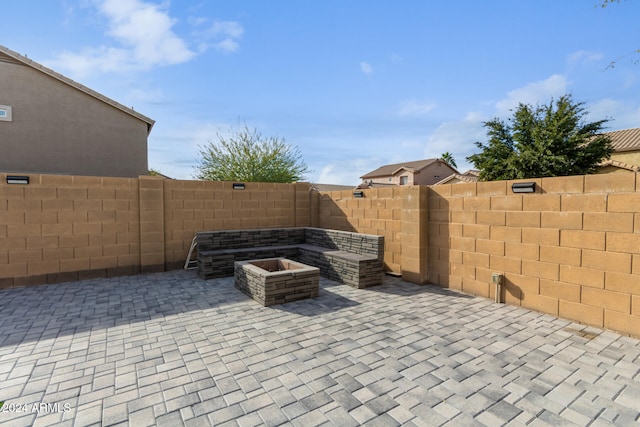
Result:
[{"x": 171, "y": 349}]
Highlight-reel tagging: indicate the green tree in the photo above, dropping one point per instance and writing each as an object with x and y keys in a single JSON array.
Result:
[
  {"x": 247, "y": 155},
  {"x": 448, "y": 158},
  {"x": 541, "y": 141}
]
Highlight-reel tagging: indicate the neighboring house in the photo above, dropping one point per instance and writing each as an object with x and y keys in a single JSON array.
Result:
[
  {"x": 626, "y": 152},
  {"x": 615, "y": 166},
  {"x": 457, "y": 178},
  {"x": 420, "y": 172},
  {"x": 52, "y": 124}
]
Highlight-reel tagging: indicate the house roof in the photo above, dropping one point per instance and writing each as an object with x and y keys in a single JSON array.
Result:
[
  {"x": 469, "y": 176},
  {"x": 369, "y": 184},
  {"x": 7, "y": 55},
  {"x": 389, "y": 170},
  {"x": 625, "y": 140},
  {"x": 620, "y": 165}
]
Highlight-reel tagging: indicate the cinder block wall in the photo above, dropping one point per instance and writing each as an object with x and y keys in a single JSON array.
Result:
[
  {"x": 192, "y": 206},
  {"x": 61, "y": 228},
  {"x": 379, "y": 212},
  {"x": 572, "y": 249}
]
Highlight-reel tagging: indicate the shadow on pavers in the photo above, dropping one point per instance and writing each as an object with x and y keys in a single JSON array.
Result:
[
  {"x": 54, "y": 310},
  {"x": 396, "y": 286},
  {"x": 326, "y": 302}
]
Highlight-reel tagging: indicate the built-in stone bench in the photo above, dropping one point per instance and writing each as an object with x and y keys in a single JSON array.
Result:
[{"x": 351, "y": 258}]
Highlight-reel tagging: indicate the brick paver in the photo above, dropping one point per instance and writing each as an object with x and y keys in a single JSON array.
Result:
[{"x": 172, "y": 349}]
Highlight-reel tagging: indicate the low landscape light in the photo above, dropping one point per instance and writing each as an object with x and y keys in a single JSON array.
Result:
[
  {"x": 358, "y": 194},
  {"x": 17, "y": 179},
  {"x": 523, "y": 187},
  {"x": 238, "y": 185}
]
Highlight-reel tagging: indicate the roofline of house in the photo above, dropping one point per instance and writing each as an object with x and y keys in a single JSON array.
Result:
[
  {"x": 622, "y": 150},
  {"x": 26, "y": 61},
  {"x": 620, "y": 165},
  {"x": 449, "y": 178},
  {"x": 407, "y": 168},
  {"x": 465, "y": 177}
]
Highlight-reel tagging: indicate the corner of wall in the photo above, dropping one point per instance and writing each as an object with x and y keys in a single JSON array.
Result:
[
  {"x": 152, "y": 250},
  {"x": 414, "y": 233}
]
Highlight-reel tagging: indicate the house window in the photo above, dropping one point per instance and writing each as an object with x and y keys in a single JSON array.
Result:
[
  {"x": 404, "y": 180},
  {"x": 5, "y": 113}
]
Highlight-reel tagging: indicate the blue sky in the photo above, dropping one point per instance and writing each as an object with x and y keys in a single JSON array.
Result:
[{"x": 353, "y": 84}]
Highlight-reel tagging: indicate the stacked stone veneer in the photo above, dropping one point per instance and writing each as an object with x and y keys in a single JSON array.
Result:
[
  {"x": 350, "y": 258},
  {"x": 293, "y": 282},
  {"x": 242, "y": 239},
  {"x": 382, "y": 212}
]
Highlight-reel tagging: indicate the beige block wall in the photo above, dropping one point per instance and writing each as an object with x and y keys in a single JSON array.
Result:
[
  {"x": 192, "y": 206},
  {"x": 60, "y": 228},
  {"x": 414, "y": 236},
  {"x": 569, "y": 249},
  {"x": 152, "y": 224},
  {"x": 379, "y": 212}
]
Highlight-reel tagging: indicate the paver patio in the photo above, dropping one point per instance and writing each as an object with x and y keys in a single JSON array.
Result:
[{"x": 171, "y": 349}]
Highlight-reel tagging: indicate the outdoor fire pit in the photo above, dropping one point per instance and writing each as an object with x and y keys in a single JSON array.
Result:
[{"x": 276, "y": 280}]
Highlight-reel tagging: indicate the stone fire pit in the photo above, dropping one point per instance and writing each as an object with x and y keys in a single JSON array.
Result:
[{"x": 276, "y": 280}]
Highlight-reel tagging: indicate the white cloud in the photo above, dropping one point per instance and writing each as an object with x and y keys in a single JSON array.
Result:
[
  {"x": 145, "y": 31},
  {"x": 344, "y": 172},
  {"x": 227, "y": 29},
  {"x": 412, "y": 107},
  {"x": 141, "y": 36},
  {"x": 222, "y": 35},
  {"x": 622, "y": 115},
  {"x": 198, "y": 20},
  {"x": 327, "y": 176},
  {"x": 584, "y": 56},
  {"x": 457, "y": 137},
  {"x": 175, "y": 152},
  {"x": 533, "y": 93},
  {"x": 227, "y": 45},
  {"x": 102, "y": 60},
  {"x": 366, "y": 67}
]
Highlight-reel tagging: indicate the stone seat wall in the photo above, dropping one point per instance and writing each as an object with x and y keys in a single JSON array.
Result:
[{"x": 351, "y": 258}]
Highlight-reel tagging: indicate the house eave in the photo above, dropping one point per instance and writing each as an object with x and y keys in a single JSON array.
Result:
[{"x": 39, "y": 67}]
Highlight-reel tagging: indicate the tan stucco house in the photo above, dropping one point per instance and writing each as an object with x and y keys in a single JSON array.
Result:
[
  {"x": 52, "y": 124},
  {"x": 626, "y": 152},
  {"x": 419, "y": 172}
]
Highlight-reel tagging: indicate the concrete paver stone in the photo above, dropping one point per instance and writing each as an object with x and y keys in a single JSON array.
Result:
[{"x": 170, "y": 349}]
